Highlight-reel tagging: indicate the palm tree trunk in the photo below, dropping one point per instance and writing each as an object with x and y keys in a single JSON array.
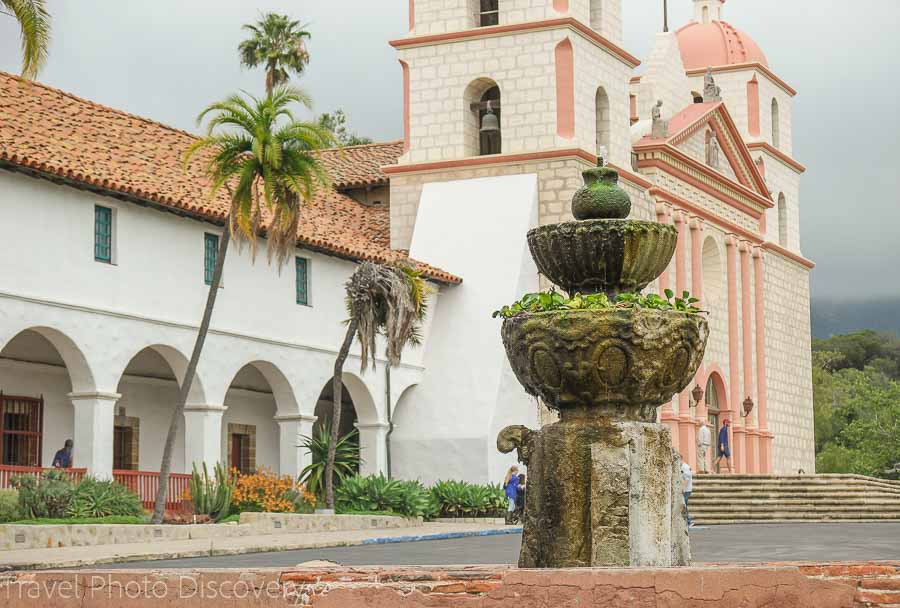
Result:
[
  {"x": 337, "y": 388},
  {"x": 270, "y": 77},
  {"x": 165, "y": 467}
]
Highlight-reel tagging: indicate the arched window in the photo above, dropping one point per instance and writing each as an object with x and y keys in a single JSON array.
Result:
[
  {"x": 697, "y": 97},
  {"x": 602, "y": 117},
  {"x": 782, "y": 221},
  {"x": 596, "y": 14},
  {"x": 482, "y": 99},
  {"x": 713, "y": 272},
  {"x": 776, "y": 124},
  {"x": 485, "y": 12}
]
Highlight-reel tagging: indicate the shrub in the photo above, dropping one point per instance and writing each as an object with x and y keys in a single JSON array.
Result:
[
  {"x": 103, "y": 498},
  {"x": 9, "y": 506},
  {"x": 378, "y": 494},
  {"x": 462, "y": 499},
  {"x": 303, "y": 500},
  {"x": 47, "y": 495},
  {"x": 346, "y": 459},
  {"x": 212, "y": 495},
  {"x": 263, "y": 491}
]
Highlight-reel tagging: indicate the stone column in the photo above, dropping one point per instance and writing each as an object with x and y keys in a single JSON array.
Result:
[
  {"x": 93, "y": 433},
  {"x": 680, "y": 432},
  {"x": 748, "y": 458},
  {"x": 663, "y": 216},
  {"x": 762, "y": 408},
  {"x": 292, "y": 458},
  {"x": 373, "y": 448},
  {"x": 203, "y": 436},
  {"x": 734, "y": 372}
]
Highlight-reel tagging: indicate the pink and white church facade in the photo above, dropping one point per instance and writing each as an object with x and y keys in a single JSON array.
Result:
[
  {"x": 505, "y": 103},
  {"x": 716, "y": 162}
]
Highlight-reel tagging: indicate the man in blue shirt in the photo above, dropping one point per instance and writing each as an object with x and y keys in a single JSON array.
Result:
[
  {"x": 63, "y": 457},
  {"x": 723, "y": 449}
]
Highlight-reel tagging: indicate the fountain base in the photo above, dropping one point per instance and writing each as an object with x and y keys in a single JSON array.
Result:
[{"x": 601, "y": 493}]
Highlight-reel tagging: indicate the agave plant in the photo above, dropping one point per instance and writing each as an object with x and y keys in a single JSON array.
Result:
[
  {"x": 212, "y": 496},
  {"x": 346, "y": 461}
]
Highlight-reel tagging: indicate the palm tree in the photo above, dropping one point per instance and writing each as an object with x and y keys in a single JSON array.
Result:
[
  {"x": 265, "y": 159},
  {"x": 278, "y": 44},
  {"x": 34, "y": 23},
  {"x": 388, "y": 300}
]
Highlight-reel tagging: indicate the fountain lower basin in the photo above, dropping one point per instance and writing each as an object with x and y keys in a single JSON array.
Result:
[{"x": 622, "y": 363}]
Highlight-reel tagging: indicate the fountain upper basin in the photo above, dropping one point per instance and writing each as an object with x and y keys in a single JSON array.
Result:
[{"x": 612, "y": 256}]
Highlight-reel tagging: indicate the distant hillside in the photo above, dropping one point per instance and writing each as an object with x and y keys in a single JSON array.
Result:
[{"x": 831, "y": 317}]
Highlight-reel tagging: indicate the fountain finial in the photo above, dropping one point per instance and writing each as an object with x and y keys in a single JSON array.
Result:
[{"x": 601, "y": 198}]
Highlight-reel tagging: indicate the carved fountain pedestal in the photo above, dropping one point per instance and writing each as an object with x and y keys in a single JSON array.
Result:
[{"x": 604, "y": 484}]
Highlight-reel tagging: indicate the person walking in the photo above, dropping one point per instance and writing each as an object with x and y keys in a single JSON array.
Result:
[
  {"x": 63, "y": 458},
  {"x": 520, "y": 498},
  {"x": 687, "y": 486},
  {"x": 723, "y": 447},
  {"x": 704, "y": 440},
  {"x": 511, "y": 488}
]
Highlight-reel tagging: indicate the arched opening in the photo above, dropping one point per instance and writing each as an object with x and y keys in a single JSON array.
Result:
[
  {"x": 325, "y": 414},
  {"x": 601, "y": 103},
  {"x": 776, "y": 124},
  {"x": 39, "y": 367},
  {"x": 696, "y": 97},
  {"x": 713, "y": 273},
  {"x": 483, "y": 128},
  {"x": 359, "y": 421},
  {"x": 716, "y": 402},
  {"x": 782, "y": 220},
  {"x": 705, "y": 14},
  {"x": 484, "y": 12},
  {"x": 149, "y": 389},
  {"x": 250, "y": 433}
]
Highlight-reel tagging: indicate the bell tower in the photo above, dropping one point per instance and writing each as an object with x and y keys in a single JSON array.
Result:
[
  {"x": 706, "y": 11},
  {"x": 494, "y": 87}
]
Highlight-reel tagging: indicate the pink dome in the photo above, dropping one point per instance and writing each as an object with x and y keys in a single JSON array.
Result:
[{"x": 715, "y": 44}]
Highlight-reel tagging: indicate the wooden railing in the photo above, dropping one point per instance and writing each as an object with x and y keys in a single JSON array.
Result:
[
  {"x": 146, "y": 483},
  {"x": 7, "y": 472},
  {"x": 142, "y": 483}
]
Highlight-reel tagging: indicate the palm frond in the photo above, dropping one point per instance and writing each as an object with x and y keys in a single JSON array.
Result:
[{"x": 34, "y": 26}]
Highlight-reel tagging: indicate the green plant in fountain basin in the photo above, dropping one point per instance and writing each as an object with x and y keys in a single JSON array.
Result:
[{"x": 549, "y": 301}]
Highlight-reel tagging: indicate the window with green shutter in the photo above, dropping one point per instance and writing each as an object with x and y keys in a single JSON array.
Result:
[
  {"x": 211, "y": 252},
  {"x": 303, "y": 281},
  {"x": 103, "y": 229}
]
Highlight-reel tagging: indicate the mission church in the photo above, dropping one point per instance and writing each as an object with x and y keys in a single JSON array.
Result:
[{"x": 505, "y": 103}]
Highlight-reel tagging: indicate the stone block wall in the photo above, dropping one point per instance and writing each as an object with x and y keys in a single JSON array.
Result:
[
  {"x": 558, "y": 181},
  {"x": 788, "y": 364},
  {"x": 782, "y": 179}
]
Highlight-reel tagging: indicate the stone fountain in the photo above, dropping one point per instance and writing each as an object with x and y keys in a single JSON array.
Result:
[{"x": 604, "y": 484}]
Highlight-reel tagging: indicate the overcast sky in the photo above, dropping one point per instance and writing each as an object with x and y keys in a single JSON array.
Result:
[{"x": 167, "y": 59}]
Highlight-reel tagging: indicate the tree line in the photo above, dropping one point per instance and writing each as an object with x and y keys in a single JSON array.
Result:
[{"x": 856, "y": 395}]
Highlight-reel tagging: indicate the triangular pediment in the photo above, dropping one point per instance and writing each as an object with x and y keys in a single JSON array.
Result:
[{"x": 726, "y": 152}]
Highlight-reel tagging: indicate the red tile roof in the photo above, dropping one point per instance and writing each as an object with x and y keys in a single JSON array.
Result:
[
  {"x": 58, "y": 135},
  {"x": 357, "y": 166}
]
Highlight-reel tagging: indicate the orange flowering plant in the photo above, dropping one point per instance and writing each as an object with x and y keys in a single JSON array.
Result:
[{"x": 264, "y": 491}]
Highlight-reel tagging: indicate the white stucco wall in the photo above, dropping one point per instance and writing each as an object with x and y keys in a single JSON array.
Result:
[{"x": 447, "y": 427}]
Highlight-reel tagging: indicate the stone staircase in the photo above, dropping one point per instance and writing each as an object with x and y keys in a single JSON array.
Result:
[{"x": 731, "y": 499}]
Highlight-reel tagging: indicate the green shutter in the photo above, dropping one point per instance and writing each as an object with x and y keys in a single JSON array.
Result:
[
  {"x": 103, "y": 234},
  {"x": 302, "y": 281},
  {"x": 211, "y": 252}
]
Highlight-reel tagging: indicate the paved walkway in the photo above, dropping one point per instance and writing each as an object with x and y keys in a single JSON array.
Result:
[
  {"x": 734, "y": 543},
  {"x": 70, "y": 557}
]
